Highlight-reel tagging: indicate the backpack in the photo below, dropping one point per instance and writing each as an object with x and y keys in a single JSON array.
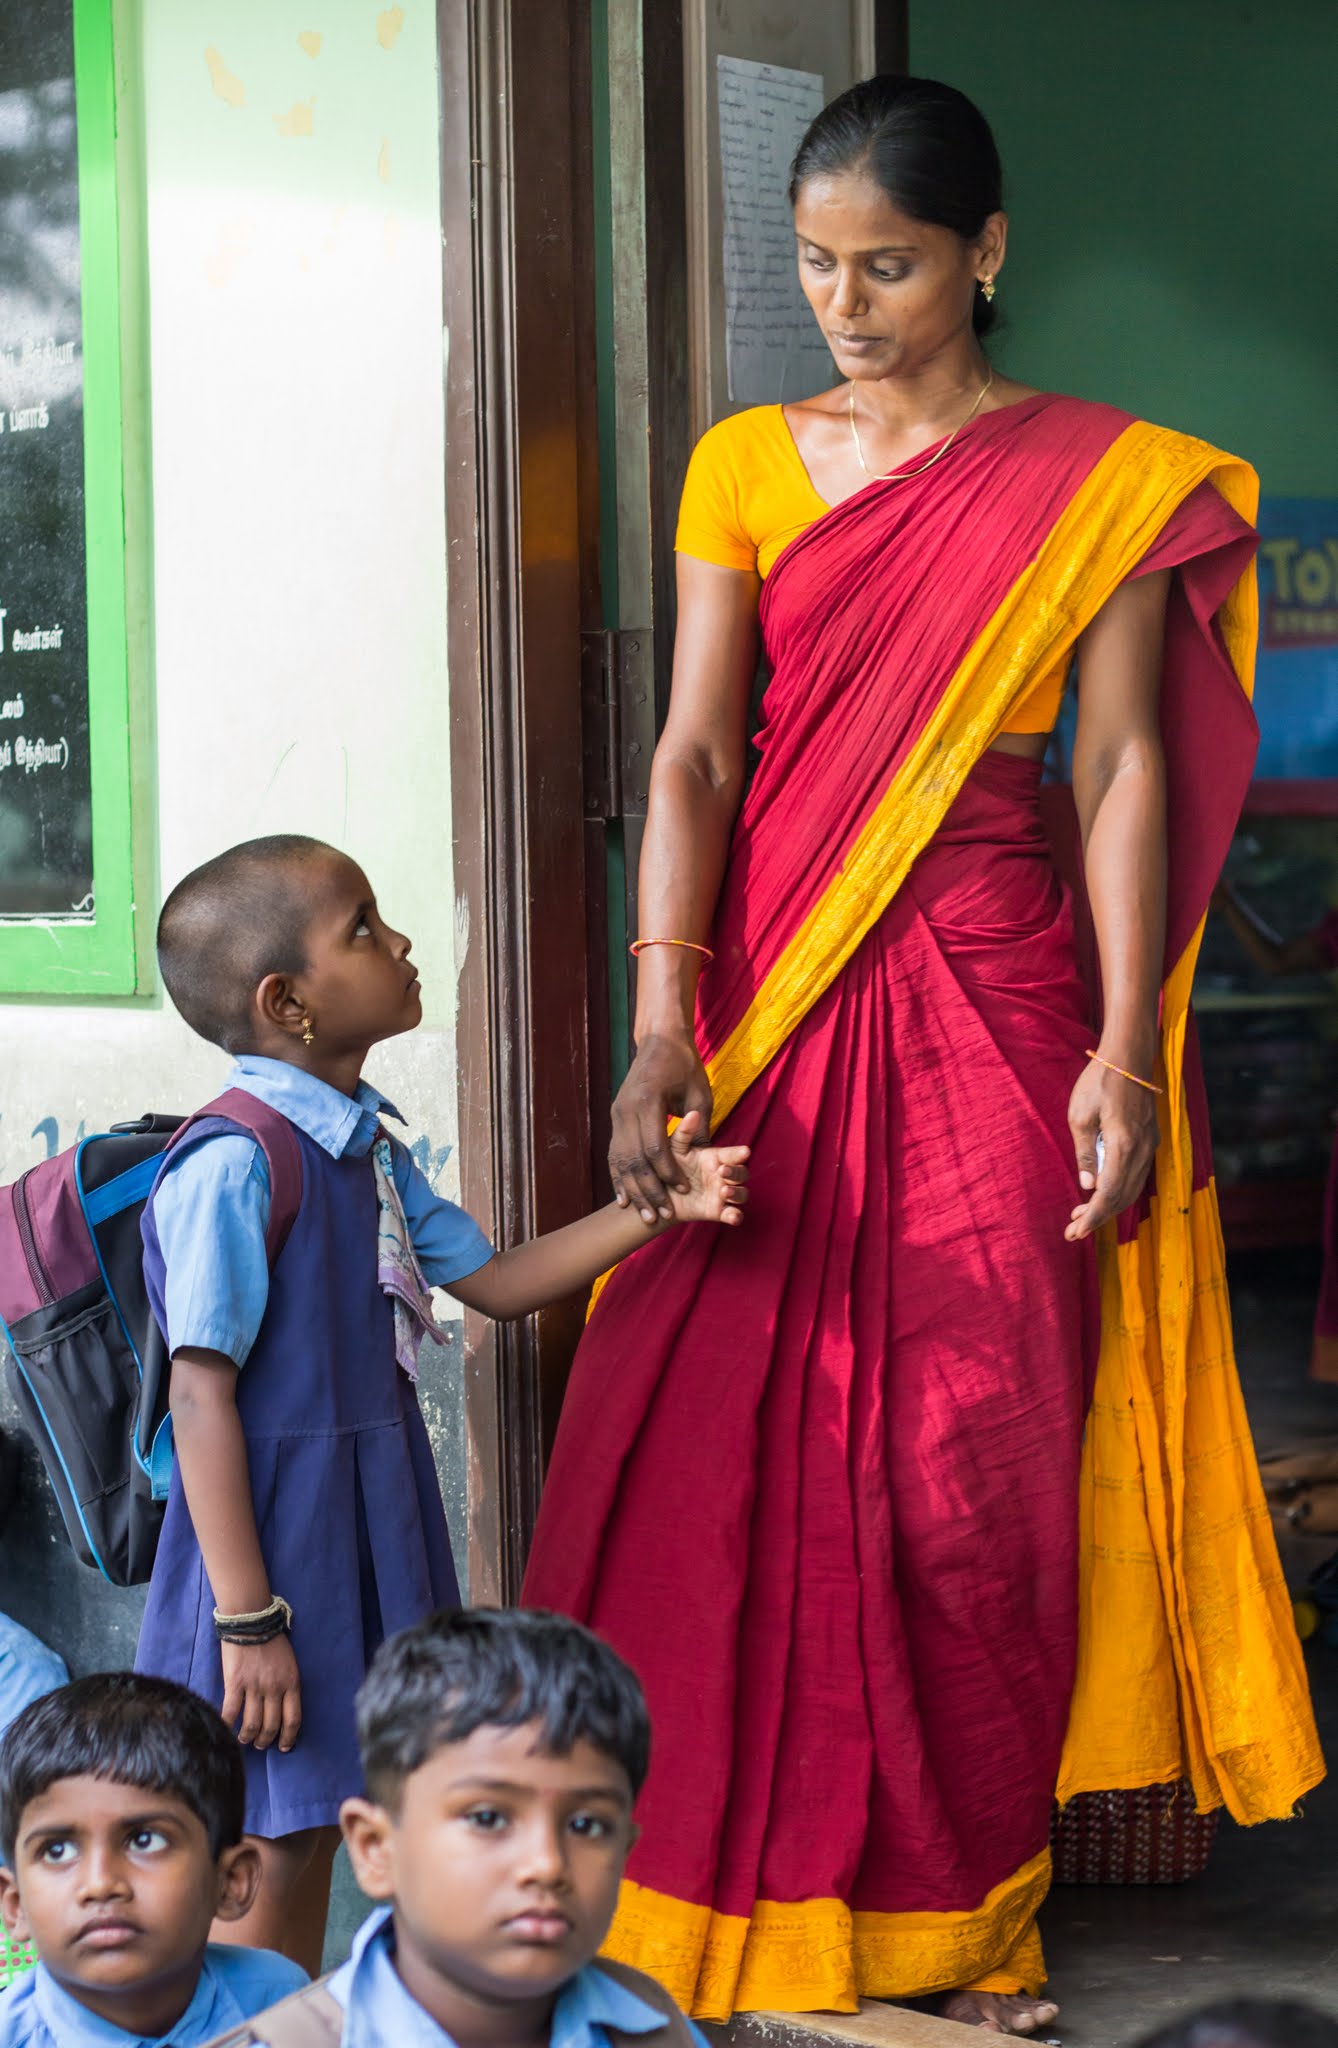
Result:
[
  {"x": 86, "y": 1362},
  {"x": 314, "y": 2018}
]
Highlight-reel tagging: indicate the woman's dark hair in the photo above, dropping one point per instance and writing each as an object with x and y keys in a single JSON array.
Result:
[
  {"x": 926, "y": 144},
  {"x": 478, "y": 1667},
  {"x": 1249, "y": 2023},
  {"x": 129, "y": 1730}
]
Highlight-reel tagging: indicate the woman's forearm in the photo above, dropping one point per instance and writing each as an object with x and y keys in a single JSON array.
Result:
[
  {"x": 216, "y": 1479},
  {"x": 1123, "y": 814},
  {"x": 682, "y": 865}
]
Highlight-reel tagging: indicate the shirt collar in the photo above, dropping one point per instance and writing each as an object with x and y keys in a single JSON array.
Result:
[
  {"x": 593, "y": 1998},
  {"x": 380, "y": 2013},
  {"x": 66, "y": 2020},
  {"x": 336, "y": 1122}
]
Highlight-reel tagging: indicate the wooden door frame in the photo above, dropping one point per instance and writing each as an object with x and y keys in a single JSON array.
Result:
[
  {"x": 522, "y": 534},
  {"x": 522, "y": 541}
]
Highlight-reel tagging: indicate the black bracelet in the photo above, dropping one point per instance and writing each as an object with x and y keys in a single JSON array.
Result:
[
  {"x": 261, "y": 1627},
  {"x": 277, "y": 1627}
]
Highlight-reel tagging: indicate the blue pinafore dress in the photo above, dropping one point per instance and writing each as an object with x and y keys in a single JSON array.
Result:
[{"x": 347, "y": 1502}]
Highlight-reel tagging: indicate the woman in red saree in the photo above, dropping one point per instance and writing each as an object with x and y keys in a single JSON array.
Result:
[{"x": 828, "y": 1485}]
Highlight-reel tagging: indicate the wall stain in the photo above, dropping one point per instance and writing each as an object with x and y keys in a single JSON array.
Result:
[
  {"x": 310, "y": 40},
  {"x": 299, "y": 120},
  {"x": 228, "y": 253},
  {"x": 383, "y": 160},
  {"x": 225, "y": 83},
  {"x": 389, "y": 22}
]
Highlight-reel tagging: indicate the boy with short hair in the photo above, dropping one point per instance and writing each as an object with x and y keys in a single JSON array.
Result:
[
  {"x": 121, "y": 1805},
  {"x": 503, "y": 1752}
]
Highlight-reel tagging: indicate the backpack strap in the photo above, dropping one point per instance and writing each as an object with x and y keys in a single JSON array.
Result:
[
  {"x": 309, "y": 2018},
  {"x": 275, "y": 1136},
  {"x": 676, "y": 2033}
]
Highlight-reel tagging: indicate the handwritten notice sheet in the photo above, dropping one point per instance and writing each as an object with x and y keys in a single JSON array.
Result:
[{"x": 773, "y": 348}]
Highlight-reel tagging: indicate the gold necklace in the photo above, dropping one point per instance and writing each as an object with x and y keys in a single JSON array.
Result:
[{"x": 903, "y": 476}]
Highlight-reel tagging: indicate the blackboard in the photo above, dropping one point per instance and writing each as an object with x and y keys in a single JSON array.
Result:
[{"x": 46, "y": 843}]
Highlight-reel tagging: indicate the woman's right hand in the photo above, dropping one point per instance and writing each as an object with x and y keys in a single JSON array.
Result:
[
  {"x": 262, "y": 1693},
  {"x": 666, "y": 1079}
]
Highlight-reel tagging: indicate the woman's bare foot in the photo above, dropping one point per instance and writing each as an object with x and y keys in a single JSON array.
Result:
[{"x": 1000, "y": 2012}]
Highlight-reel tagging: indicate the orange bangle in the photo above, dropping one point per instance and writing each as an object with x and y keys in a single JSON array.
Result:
[
  {"x": 1124, "y": 1075},
  {"x": 638, "y": 945}
]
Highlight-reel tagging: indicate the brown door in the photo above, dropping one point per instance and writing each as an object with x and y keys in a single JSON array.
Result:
[
  {"x": 583, "y": 304},
  {"x": 522, "y": 527}
]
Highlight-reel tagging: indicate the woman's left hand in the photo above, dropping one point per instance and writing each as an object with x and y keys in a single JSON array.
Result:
[{"x": 1125, "y": 1116}]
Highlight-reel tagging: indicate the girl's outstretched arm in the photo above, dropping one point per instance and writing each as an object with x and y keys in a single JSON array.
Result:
[
  {"x": 566, "y": 1261},
  {"x": 261, "y": 1690}
]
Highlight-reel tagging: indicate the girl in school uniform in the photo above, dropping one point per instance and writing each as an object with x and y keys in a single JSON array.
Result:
[{"x": 304, "y": 1521}]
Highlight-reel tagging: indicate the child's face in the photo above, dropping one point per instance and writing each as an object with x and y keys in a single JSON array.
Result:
[
  {"x": 359, "y": 984},
  {"x": 117, "y": 1887},
  {"x": 503, "y": 1865}
]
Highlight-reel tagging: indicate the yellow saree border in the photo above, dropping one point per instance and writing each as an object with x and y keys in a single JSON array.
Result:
[{"x": 817, "y": 1956}]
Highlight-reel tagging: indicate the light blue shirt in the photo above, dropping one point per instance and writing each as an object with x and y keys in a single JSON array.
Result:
[
  {"x": 28, "y": 1669},
  {"x": 235, "y": 1984},
  {"x": 212, "y": 1207},
  {"x": 380, "y": 2013}
]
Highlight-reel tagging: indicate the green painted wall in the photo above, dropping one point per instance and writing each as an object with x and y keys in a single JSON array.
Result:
[{"x": 1170, "y": 172}]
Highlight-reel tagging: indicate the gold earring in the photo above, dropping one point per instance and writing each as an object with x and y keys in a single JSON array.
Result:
[
  {"x": 987, "y": 288},
  {"x": 308, "y": 1035}
]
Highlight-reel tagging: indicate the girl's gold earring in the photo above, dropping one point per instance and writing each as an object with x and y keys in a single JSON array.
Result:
[
  {"x": 987, "y": 288},
  {"x": 308, "y": 1035}
]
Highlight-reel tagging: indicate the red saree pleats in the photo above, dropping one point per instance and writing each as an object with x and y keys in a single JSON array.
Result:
[{"x": 827, "y": 1540}]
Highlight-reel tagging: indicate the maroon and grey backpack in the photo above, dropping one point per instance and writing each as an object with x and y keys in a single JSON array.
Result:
[{"x": 85, "y": 1359}]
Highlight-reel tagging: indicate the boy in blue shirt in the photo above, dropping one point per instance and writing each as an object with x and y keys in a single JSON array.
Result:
[
  {"x": 503, "y": 1752},
  {"x": 121, "y": 1806}
]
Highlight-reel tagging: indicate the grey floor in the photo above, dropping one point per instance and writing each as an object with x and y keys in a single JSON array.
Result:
[{"x": 1263, "y": 1920}]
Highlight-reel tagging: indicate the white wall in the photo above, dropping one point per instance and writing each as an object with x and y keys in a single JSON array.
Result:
[
  {"x": 299, "y": 583},
  {"x": 298, "y": 605}
]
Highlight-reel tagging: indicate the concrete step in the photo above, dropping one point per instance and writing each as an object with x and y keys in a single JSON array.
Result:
[{"x": 875, "y": 2025}]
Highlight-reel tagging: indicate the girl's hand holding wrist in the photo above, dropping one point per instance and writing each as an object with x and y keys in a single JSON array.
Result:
[{"x": 716, "y": 1176}]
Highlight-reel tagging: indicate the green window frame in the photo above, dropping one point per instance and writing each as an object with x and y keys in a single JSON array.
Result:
[{"x": 96, "y": 956}]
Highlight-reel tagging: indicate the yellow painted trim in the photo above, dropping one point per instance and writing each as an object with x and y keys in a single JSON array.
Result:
[
  {"x": 1103, "y": 533},
  {"x": 815, "y": 1955}
]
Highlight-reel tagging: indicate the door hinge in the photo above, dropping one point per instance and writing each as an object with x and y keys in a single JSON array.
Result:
[{"x": 617, "y": 721}]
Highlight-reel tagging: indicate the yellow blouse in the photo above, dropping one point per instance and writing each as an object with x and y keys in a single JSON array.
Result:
[{"x": 748, "y": 495}]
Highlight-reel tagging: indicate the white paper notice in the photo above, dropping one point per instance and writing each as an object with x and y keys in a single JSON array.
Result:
[{"x": 773, "y": 348}]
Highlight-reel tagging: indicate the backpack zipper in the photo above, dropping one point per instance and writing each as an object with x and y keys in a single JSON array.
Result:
[{"x": 28, "y": 1239}]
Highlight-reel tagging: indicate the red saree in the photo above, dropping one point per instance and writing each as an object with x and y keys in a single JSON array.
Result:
[{"x": 825, "y": 1481}]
